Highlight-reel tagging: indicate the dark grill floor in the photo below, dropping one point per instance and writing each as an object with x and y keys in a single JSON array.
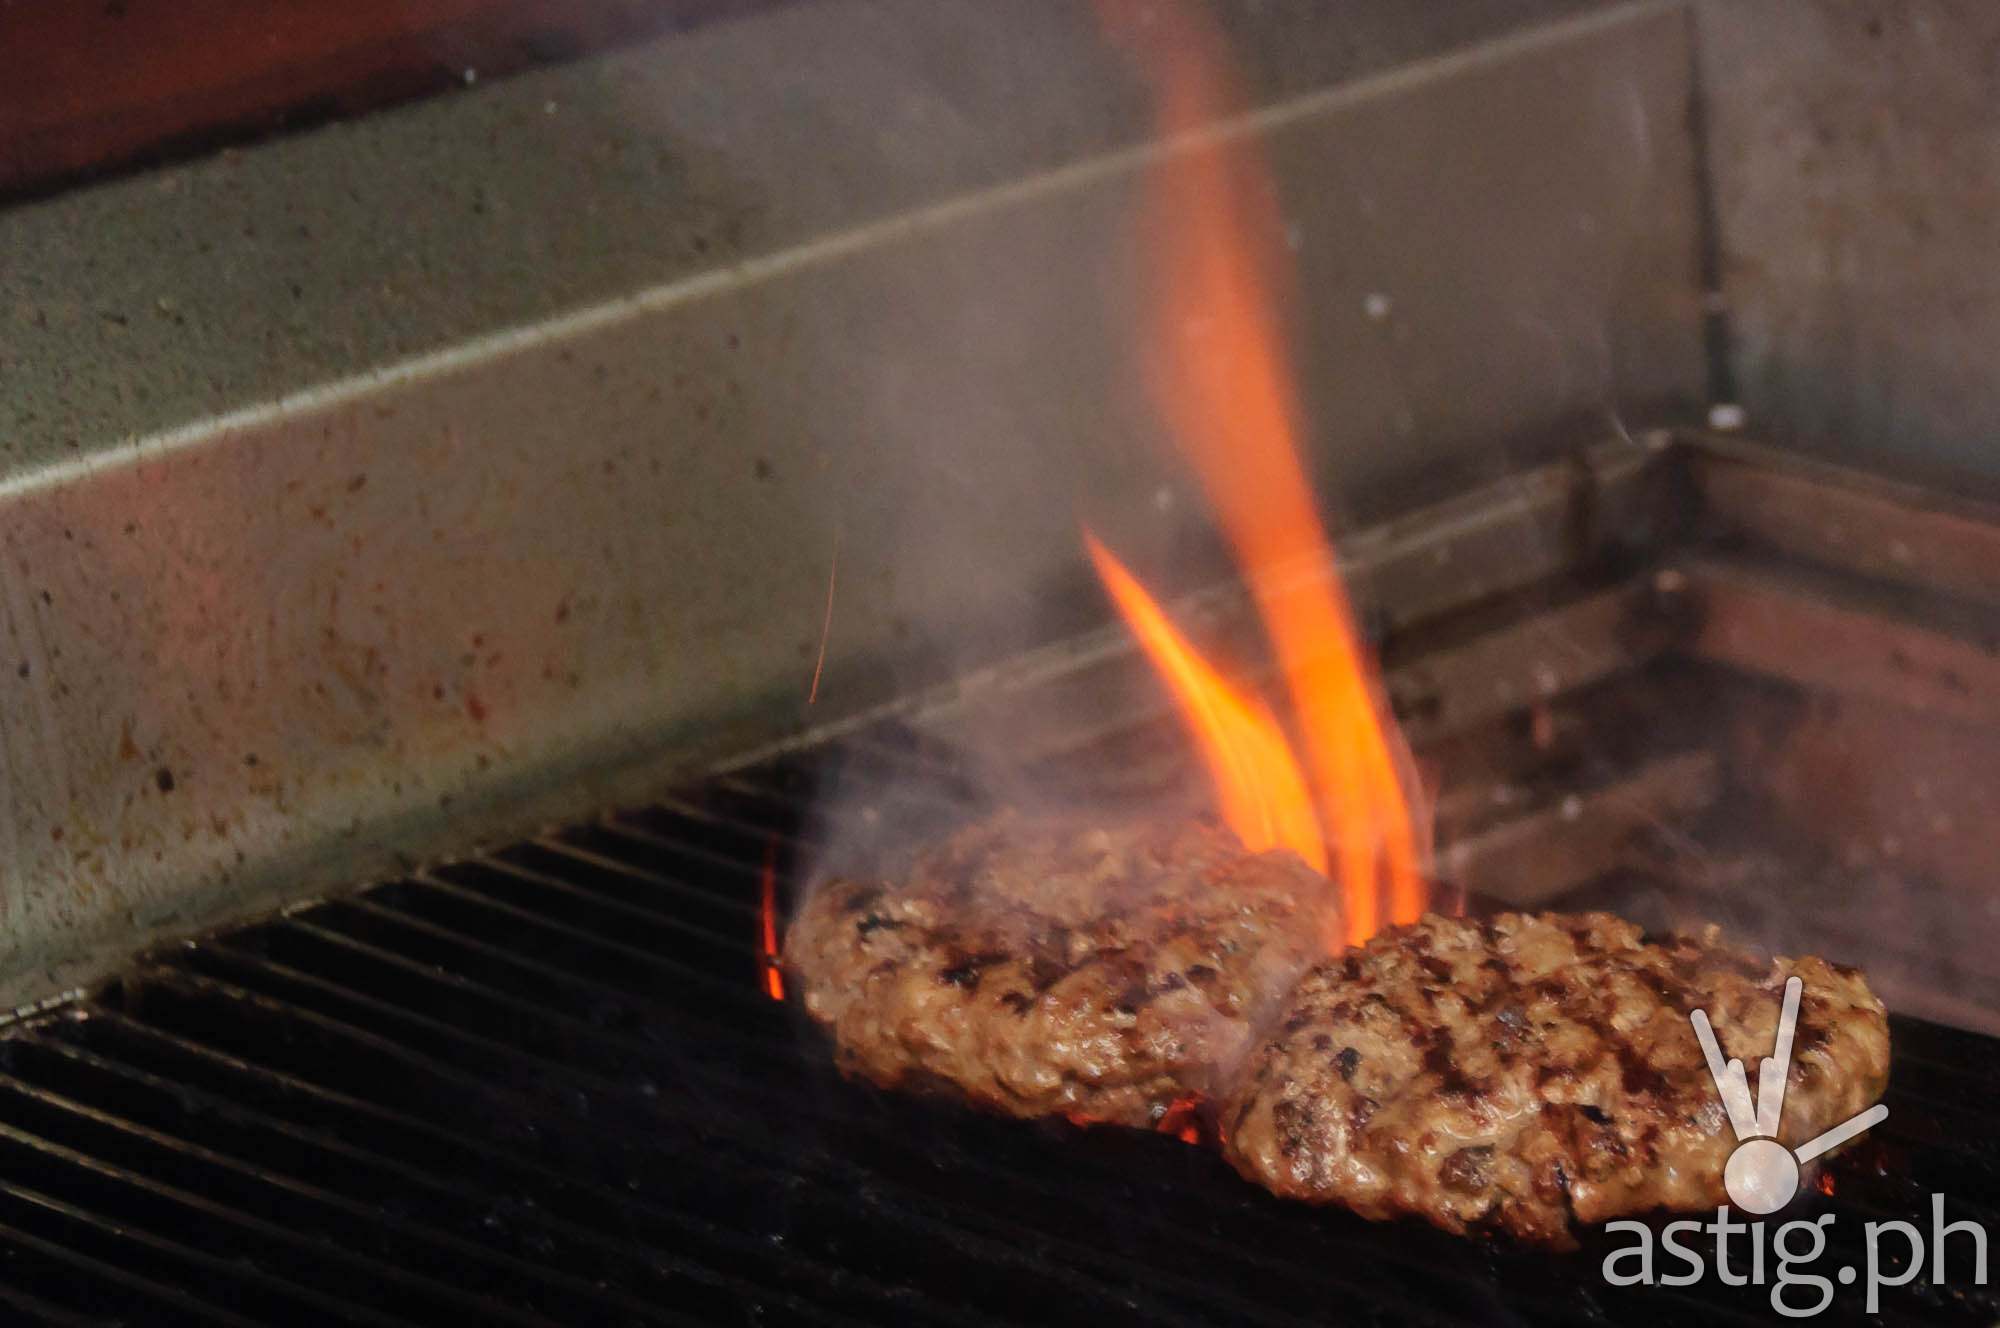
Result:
[{"x": 548, "y": 1087}]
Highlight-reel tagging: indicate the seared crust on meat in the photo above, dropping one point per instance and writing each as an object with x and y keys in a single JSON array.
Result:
[
  {"x": 1039, "y": 967},
  {"x": 1536, "y": 1072}
]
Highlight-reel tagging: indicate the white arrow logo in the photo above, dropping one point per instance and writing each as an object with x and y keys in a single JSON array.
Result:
[{"x": 1762, "y": 1174}]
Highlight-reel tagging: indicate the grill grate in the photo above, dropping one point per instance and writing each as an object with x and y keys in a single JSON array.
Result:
[{"x": 547, "y": 1087}]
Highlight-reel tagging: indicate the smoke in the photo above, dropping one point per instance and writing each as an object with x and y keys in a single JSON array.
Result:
[{"x": 931, "y": 229}]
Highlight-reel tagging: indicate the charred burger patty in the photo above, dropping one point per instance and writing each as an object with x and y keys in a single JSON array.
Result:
[
  {"x": 1535, "y": 1072},
  {"x": 1037, "y": 967}
]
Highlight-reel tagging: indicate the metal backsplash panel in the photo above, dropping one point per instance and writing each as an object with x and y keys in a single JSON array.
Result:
[
  {"x": 391, "y": 487},
  {"x": 1856, "y": 157}
]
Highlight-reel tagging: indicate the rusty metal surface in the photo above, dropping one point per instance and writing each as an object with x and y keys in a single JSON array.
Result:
[
  {"x": 1499, "y": 544},
  {"x": 1855, "y": 152},
  {"x": 1929, "y": 540},
  {"x": 1533, "y": 856},
  {"x": 1885, "y": 790},
  {"x": 1851, "y": 828},
  {"x": 1541, "y": 652},
  {"x": 381, "y": 490},
  {"x": 1832, "y": 634}
]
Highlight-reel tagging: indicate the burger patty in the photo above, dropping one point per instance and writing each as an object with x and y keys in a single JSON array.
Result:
[
  {"x": 1536, "y": 1072},
  {"x": 1039, "y": 967}
]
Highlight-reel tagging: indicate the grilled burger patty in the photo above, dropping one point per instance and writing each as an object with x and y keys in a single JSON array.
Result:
[
  {"x": 1535, "y": 1072},
  {"x": 1038, "y": 967}
]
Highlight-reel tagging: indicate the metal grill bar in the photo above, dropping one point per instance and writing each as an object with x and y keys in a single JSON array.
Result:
[
  {"x": 388, "y": 1240},
  {"x": 34, "y": 1312},
  {"x": 370, "y": 1177},
  {"x": 605, "y": 1083},
  {"x": 546, "y": 1086},
  {"x": 989, "y": 1252},
  {"x": 128, "y": 1243},
  {"x": 520, "y": 1189},
  {"x": 23, "y": 1308},
  {"x": 60, "y": 1267}
]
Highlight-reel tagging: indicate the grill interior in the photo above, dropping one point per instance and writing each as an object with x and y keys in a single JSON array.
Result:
[
  {"x": 548, "y": 1086},
  {"x": 547, "y": 476}
]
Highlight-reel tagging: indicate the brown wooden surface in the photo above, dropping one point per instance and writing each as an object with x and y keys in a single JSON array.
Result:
[{"x": 87, "y": 88}]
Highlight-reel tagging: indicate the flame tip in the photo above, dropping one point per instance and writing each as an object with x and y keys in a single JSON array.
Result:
[{"x": 1224, "y": 386}]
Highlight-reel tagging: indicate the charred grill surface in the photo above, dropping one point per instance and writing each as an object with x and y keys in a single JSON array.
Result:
[
  {"x": 1042, "y": 967},
  {"x": 548, "y": 1087},
  {"x": 1535, "y": 1072}
]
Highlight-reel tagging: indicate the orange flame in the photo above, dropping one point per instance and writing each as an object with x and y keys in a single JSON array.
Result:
[
  {"x": 1261, "y": 789},
  {"x": 774, "y": 977},
  {"x": 1220, "y": 374}
]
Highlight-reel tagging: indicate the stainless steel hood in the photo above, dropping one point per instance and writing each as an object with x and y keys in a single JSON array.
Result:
[{"x": 372, "y": 493}]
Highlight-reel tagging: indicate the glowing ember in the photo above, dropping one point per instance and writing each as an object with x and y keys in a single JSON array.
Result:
[
  {"x": 1219, "y": 371},
  {"x": 1182, "y": 1120},
  {"x": 774, "y": 978},
  {"x": 1262, "y": 793}
]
